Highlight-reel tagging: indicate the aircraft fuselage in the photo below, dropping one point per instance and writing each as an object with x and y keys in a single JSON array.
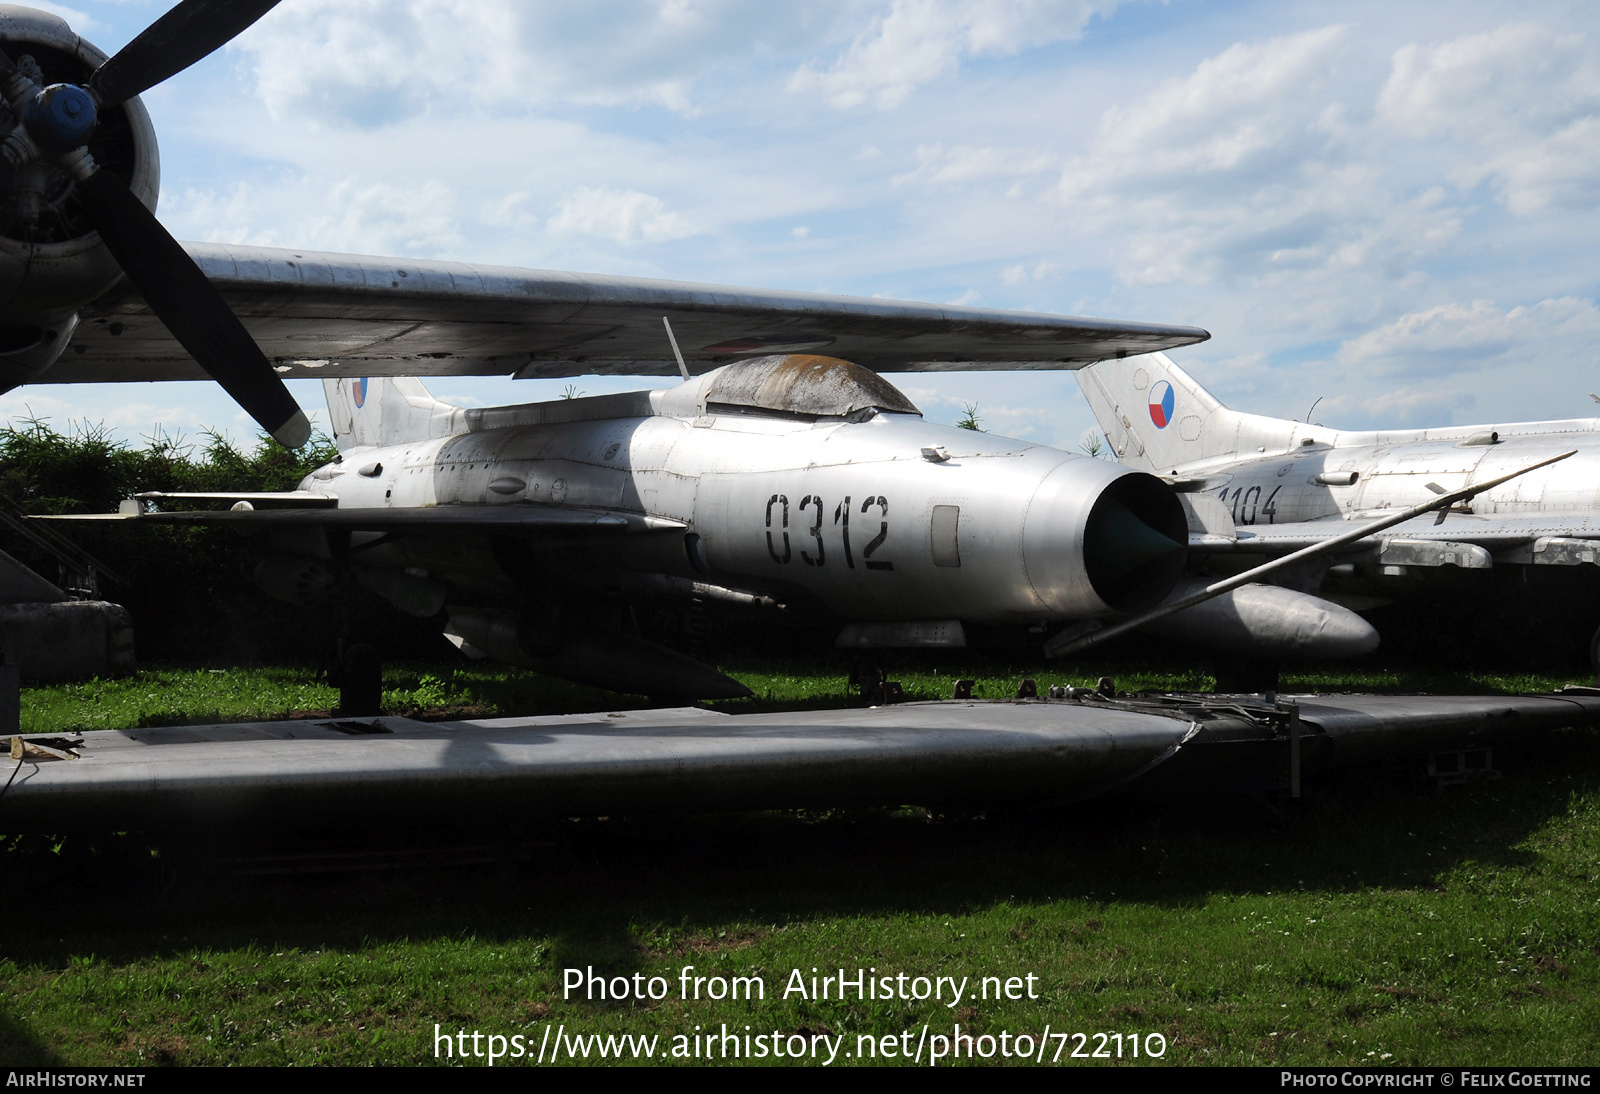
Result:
[
  {"x": 853, "y": 514},
  {"x": 1342, "y": 477}
]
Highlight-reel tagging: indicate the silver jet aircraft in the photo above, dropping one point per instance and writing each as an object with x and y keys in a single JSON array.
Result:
[
  {"x": 787, "y": 477},
  {"x": 1267, "y": 486}
]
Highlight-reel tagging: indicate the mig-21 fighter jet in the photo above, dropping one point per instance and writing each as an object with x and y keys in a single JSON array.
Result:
[{"x": 1266, "y": 487}]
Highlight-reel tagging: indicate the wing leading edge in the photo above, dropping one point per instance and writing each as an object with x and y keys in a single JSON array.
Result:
[{"x": 317, "y": 315}]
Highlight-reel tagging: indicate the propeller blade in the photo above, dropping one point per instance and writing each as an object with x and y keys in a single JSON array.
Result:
[
  {"x": 189, "y": 304},
  {"x": 190, "y": 31}
]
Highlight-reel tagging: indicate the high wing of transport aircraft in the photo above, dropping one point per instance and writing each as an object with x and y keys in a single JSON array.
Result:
[{"x": 1259, "y": 487}]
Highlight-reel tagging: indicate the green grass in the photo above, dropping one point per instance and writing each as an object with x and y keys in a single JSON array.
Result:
[
  {"x": 1375, "y": 922},
  {"x": 158, "y": 695}
]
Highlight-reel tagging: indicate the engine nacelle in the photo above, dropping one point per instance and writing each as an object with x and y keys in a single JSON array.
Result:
[
  {"x": 52, "y": 262},
  {"x": 1098, "y": 536}
]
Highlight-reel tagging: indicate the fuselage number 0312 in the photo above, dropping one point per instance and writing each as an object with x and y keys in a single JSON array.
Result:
[{"x": 811, "y": 515}]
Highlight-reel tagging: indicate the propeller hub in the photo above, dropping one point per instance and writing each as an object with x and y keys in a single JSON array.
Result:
[{"x": 60, "y": 117}]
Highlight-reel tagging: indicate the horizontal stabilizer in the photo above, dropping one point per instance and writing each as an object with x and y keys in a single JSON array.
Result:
[
  {"x": 501, "y": 519},
  {"x": 287, "y": 497}
]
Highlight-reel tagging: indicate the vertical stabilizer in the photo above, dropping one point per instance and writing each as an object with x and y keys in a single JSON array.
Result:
[
  {"x": 1156, "y": 417},
  {"x": 385, "y": 410}
]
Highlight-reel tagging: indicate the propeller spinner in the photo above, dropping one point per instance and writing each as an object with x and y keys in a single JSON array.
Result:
[{"x": 57, "y": 123}]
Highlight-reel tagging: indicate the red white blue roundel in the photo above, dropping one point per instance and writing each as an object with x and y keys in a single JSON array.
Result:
[
  {"x": 1162, "y": 403},
  {"x": 359, "y": 391}
]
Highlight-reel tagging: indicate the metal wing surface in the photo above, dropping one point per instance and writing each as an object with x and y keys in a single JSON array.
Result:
[
  {"x": 693, "y": 760},
  {"x": 317, "y": 315},
  {"x": 1492, "y": 532}
]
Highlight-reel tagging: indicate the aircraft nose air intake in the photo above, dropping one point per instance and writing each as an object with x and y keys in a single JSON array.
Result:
[{"x": 1134, "y": 543}]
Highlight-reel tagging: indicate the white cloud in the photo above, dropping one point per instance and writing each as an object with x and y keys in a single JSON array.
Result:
[
  {"x": 349, "y": 215},
  {"x": 379, "y": 62},
  {"x": 918, "y": 41},
  {"x": 939, "y": 165},
  {"x": 1410, "y": 407},
  {"x": 625, "y": 216},
  {"x": 1248, "y": 166},
  {"x": 1021, "y": 274},
  {"x": 1456, "y": 338},
  {"x": 1523, "y": 103}
]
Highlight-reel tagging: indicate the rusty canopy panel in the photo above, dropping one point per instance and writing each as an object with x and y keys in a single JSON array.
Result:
[
  {"x": 319, "y": 315},
  {"x": 802, "y": 383}
]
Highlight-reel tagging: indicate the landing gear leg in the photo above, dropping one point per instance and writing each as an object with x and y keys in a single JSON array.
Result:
[
  {"x": 694, "y": 628},
  {"x": 359, "y": 678},
  {"x": 876, "y": 687},
  {"x": 357, "y": 671}
]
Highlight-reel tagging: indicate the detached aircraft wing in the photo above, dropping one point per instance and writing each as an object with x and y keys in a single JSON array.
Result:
[
  {"x": 1037, "y": 751},
  {"x": 317, "y": 315}
]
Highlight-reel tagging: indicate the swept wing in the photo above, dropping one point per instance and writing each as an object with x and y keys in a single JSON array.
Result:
[{"x": 318, "y": 315}]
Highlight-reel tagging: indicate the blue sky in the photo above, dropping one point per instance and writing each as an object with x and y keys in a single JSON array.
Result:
[{"x": 1390, "y": 206}]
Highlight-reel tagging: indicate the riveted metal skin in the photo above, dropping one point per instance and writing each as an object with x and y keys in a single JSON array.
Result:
[{"x": 279, "y": 775}]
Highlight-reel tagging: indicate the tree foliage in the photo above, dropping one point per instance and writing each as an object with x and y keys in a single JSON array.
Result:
[{"x": 190, "y": 590}]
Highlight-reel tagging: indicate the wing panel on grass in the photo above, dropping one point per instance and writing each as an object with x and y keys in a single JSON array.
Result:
[{"x": 694, "y": 760}]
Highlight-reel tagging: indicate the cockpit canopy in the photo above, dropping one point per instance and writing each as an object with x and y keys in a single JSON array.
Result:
[{"x": 806, "y": 385}]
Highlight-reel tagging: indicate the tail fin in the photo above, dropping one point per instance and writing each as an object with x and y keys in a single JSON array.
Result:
[
  {"x": 1157, "y": 418},
  {"x": 372, "y": 413}
]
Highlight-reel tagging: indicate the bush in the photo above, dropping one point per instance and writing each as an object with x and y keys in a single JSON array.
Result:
[{"x": 189, "y": 589}]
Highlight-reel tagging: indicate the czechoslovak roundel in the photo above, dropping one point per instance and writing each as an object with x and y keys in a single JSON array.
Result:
[{"x": 1162, "y": 403}]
